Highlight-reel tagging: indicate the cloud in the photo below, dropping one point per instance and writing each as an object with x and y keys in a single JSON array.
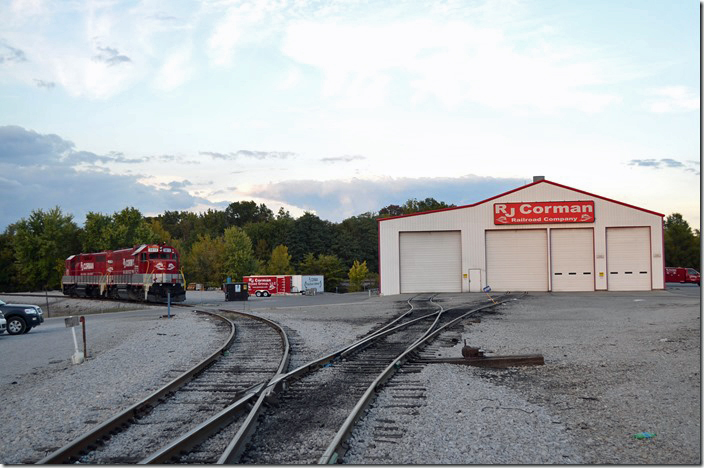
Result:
[
  {"x": 249, "y": 154},
  {"x": 454, "y": 62},
  {"x": 346, "y": 158},
  {"x": 688, "y": 166},
  {"x": 175, "y": 185},
  {"x": 673, "y": 99},
  {"x": 176, "y": 70},
  {"x": 40, "y": 171},
  {"x": 11, "y": 54},
  {"x": 45, "y": 84},
  {"x": 336, "y": 200},
  {"x": 110, "y": 56}
]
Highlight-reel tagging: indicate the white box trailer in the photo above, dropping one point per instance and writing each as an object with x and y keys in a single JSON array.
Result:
[{"x": 300, "y": 283}]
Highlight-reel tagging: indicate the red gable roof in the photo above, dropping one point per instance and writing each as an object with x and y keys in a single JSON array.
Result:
[{"x": 518, "y": 189}]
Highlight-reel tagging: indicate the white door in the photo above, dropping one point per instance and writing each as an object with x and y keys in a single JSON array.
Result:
[
  {"x": 517, "y": 260},
  {"x": 475, "y": 280},
  {"x": 430, "y": 261},
  {"x": 628, "y": 259},
  {"x": 572, "y": 253}
]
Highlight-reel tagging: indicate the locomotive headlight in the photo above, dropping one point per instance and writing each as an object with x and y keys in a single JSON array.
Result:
[{"x": 30, "y": 311}]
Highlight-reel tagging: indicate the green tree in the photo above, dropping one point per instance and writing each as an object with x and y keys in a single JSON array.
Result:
[
  {"x": 8, "y": 268},
  {"x": 310, "y": 234},
  {"x": 416, "y": 206},
  {"x": 242, "y": 212},
  {"x": 183, "y": 225},
  {"x": 205, "y": 262},
  {"x": 357, "y": 238},
  {"x": 682, "y": 246},
  {"x": 160, "y": 234},
  {"x": 212, "y": 222},
  {"x": 41, "y": 244},
  {"x": 129, "y": 228},
  {"x": 357, "y": 274},
  {"x": 391, "y": 210},
  {"x": 280, "y": 262},
  {"x": 272, "y": 233},
  {"x": 262, "y": 251},
  {"x": 123, "y": 229},
  {"x": 283, "y": 214},
  {"x": 95, "y": 228},
  {"x": 239, "y": 257}
]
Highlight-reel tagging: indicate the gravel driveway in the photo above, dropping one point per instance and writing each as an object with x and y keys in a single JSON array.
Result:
[{"x": 615, "y": 365}]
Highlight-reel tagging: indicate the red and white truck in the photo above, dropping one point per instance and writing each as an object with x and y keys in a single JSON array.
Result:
[{"x": 681, "y": 275}]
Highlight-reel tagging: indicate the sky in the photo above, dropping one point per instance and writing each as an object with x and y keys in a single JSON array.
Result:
[{"x": 344, "y": 107}]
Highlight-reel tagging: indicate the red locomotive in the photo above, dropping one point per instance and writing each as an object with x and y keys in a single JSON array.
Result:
[{"x": 147, "y": 272}]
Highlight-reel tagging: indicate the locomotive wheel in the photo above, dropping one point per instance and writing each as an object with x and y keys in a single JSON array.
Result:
[{"x": 16, "y": 326}]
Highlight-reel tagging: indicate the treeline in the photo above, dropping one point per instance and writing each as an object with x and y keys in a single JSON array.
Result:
[{"x": 244, "y": 239}]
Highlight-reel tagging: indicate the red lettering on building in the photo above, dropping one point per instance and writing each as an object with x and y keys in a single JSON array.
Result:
[{"x": 544, "y": 212}]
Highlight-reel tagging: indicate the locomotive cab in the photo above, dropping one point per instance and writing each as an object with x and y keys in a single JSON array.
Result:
[{"x": 159, "y": 266}]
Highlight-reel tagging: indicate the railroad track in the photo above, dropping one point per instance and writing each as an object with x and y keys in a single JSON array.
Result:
[
  {"x": 302, "y": 416},
  {"x": 313, "y": 413},
  {"x": 193, "y": 408}
]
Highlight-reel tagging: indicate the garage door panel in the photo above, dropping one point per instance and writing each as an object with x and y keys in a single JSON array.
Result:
[
  {"x": 517, "y": 260},
  {"x": 628, "y": 259},
  {"x": 572, "y": 255},
  {"x": 430, "y": 261}
]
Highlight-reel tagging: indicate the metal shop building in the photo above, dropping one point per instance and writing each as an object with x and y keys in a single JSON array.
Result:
[{"x": 540, "y": 237}]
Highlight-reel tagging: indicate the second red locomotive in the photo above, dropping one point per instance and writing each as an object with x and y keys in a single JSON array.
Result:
[{"x": 148, "y": 272}]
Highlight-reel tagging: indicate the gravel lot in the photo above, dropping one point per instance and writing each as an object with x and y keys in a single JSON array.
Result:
[{"x": 615, "y": 365}]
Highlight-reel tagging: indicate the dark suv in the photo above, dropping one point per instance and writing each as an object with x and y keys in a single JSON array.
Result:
[{"x": 21, "y": 317}]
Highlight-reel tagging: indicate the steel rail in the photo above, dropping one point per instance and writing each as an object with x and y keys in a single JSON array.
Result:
[
  {"x": 405, "y": 314},
  {"x": 204, "y": 430},
  {"x": 345, "y": 351},
  {"x": 333, "y": 452},
  {"x": 238, "y": 443},
  {"x": 236, "y": 446},
  {"x": 73, "y": 449},
  {"x": 226, "y": 416}
]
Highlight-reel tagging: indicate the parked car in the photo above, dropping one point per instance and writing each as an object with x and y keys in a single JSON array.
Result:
[
  {"x": 3, "y": 323},
  {"x": 681, "y": 275},
  {"x": 21, "y": 317}
]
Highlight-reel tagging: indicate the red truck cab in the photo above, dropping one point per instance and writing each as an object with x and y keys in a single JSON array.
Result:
[{"x": 681, "y": 275}]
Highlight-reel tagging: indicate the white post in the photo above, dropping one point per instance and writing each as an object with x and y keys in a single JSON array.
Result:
[{"x": 77, "y": 357}]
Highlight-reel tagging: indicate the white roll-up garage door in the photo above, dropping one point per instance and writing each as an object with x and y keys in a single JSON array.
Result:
[
  {"x": 430, "y": 261},
  {"x": 628, "y": 259},
  {"x": 517, "y": 260},
  {"x": 572, "y": 254}
]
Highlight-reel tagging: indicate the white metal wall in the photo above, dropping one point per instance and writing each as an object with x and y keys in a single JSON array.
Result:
[{"x": 473, "y": 221}]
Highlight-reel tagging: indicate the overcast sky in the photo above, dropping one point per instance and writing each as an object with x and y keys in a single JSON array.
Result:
[{"x": 340, "y": 108}]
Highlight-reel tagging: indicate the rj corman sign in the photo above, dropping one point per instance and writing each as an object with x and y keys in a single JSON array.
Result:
[{"x": 544, "y": 212}]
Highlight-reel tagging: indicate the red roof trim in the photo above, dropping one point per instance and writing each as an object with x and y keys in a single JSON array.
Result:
[{"x": 516, "y": 190}]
